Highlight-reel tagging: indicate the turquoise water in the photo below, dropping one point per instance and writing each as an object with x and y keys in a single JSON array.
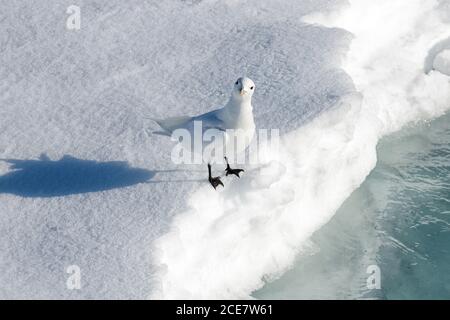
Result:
[{"x": 399, "y": 220}]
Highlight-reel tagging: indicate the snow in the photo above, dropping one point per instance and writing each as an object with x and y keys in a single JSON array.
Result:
[
  {"x": 86, "y": 94},
  {"x": 84, "y": 182},
  {"x": 442, "y": 62},
  {"x": 231, "y": 243}
]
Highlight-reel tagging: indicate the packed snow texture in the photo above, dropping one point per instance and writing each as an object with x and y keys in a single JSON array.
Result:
[{"x": 84, "y": 182}]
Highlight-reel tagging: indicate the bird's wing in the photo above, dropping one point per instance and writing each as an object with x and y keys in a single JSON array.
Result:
[
  {"x": 211, "y": 120},
  {"x": 171, "y": 124}
]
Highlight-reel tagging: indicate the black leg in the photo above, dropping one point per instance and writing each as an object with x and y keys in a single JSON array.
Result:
[
  {"x": 228, "y": 170},
  {"x": 215, "y": 181}
]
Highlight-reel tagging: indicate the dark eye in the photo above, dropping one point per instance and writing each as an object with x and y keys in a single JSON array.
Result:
[
  {"x": 237, "y": 82},
  {"x": 251, "y": 88}
]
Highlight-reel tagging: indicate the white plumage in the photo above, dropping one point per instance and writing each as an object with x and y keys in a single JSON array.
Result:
[{"x": 226, "y": 131}]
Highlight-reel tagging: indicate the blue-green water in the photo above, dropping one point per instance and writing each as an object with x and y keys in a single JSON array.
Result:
[{"x": 399, "y": 220}]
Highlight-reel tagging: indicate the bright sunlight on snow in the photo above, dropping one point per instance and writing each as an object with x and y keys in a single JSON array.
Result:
[{"x": 85, "y": 181}]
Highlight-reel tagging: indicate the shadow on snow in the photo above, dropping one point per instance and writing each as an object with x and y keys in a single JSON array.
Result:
[{"x": 68, "y": 176}]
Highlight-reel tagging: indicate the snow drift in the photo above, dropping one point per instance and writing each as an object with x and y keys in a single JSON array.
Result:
[{"x": 229, "y": 243}]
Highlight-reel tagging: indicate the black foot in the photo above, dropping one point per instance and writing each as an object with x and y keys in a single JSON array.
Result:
[
  {"x": 215, "y": 181},
  {"x": 228, "y": 170}
]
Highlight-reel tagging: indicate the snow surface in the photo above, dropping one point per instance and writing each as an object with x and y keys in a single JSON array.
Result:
[
  {"x": 442, "y": 62},
  {"x": 84, "y": 182},
  {"x": 252, "y": 231}
]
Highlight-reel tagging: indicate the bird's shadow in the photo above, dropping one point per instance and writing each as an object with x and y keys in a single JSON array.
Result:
[{"x": 68, "y": 176}]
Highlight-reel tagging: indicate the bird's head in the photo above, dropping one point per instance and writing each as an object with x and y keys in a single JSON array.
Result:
[{"x": 243, "y": 89}]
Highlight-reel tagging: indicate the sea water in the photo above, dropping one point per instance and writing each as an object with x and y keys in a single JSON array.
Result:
[{"x": 398, "y": 220}]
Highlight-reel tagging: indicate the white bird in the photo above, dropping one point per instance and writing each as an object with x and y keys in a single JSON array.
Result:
[{"x": 225, "y": 131}]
